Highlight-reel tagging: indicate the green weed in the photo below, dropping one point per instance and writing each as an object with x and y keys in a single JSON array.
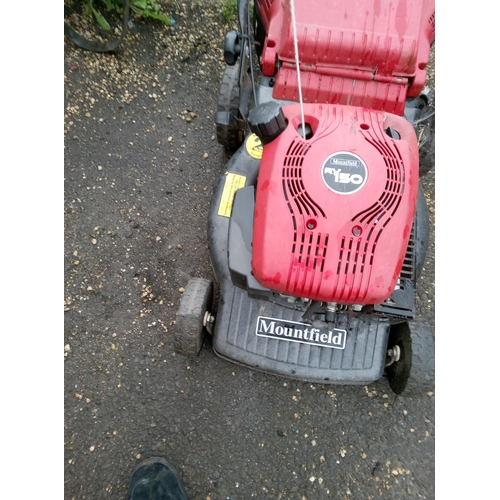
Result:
[
  {"x": 145, "y": 8},
  {"x": 230, "y": 10}
]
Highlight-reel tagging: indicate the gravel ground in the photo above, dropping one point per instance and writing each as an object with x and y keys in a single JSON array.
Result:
[{"x": 141, "y": 160}]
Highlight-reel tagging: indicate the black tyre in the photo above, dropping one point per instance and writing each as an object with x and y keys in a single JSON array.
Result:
[
  {"x": 230, "y": 136},
  {"x": 189, "y": 330},
  {"x": 426, "y": 145},
  {"x": 420, "y": 112},
  {"x": 413, "y": 374},
  {"x": 259, "y": 32},
  {"x": 421, "y": 233}
]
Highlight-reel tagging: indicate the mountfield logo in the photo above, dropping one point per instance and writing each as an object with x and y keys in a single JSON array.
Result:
[
  {"x": 344, "y": 173},
  {"x": 344, "y": 163},
  {"x": 300, "y": 332}
]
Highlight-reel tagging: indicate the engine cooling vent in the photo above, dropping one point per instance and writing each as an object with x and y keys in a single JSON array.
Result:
[
  {"x": 402, "y": 301},
  {"x": 309, "y": 248},
  {"x": 355, "y": 253},
  {"x": 293, "y": 185}
]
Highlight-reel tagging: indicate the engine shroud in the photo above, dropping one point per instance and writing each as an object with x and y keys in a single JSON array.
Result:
[{"x": 333, "y": 213}]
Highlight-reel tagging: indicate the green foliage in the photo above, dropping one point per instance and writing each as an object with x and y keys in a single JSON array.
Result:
[
  {"x": 101, "y": 19},
  {"x": 146, "y": 8},
  {"x": 230, "y": 10}
]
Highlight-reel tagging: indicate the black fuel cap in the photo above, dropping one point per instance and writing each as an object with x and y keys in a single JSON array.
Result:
[{"x": 267, "y": 120}]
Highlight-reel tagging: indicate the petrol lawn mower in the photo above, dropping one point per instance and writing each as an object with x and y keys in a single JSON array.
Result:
[{"x": 318, "y": 226}]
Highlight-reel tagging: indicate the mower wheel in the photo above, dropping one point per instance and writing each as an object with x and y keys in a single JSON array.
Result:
[
  {"x": 230, "y": 136},
  {"x": 425, "y": 131},
  {"x": 413, "y": 374},
  {"x": 426, "y": 145},
  {"x": 189, "y": 328}
]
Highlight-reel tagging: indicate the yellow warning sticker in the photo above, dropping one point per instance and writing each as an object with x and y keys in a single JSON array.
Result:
[
  {"x": 232, "y": 184},
  {"x": 254, "y": 147}
]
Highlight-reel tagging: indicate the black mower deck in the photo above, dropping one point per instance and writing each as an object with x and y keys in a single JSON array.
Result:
[{"x": 235, "y": 338}]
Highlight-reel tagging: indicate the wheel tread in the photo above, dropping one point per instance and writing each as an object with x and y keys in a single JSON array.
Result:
[
  {"x": 422, "y": 371},
  {"x": 229, "y": 101},
  {"x": 189, "y": 329}
]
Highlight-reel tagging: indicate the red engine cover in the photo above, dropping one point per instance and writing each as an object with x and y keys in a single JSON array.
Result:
[{"x": 334, "y": 213}]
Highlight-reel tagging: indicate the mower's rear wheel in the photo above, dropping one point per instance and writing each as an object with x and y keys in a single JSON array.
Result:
[
  {"x": 230, "y": 136},
  {"x": 189, "y": 328},
  {"x": 426, "y": 134},
  {"x": 413, "y": 374},
  {"x": 426, "y": 145}
]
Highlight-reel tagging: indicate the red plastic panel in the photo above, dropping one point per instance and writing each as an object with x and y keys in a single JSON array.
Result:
[
  {"x": 368, "y": 39},
  {"x": 264, "y": 8},
  {"x": 317, "y": 88},
  {"x": 333, "y": 214},
  {"x": 427, "y": 35},
  {"x": 379, "y": 35}
]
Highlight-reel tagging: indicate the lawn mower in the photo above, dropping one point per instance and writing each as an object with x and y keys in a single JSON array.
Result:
[{"x": 318, "y": 226}]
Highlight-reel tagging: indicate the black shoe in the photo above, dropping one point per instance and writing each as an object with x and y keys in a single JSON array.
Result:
[{"x": 155, "y": 479}]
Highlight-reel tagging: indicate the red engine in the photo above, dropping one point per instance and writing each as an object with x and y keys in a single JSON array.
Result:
[{"x": 334, "y": 213}]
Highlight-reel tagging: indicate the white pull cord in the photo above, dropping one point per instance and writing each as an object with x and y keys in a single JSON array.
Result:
[{"x": 297, "y": 65}]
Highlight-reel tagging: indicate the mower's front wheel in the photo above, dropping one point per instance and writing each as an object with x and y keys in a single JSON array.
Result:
[
  {"x": 412, "y": 374},
  {"x": 189, "y": 326}
]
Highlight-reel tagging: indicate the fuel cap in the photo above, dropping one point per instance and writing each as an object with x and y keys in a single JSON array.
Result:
[{"x": 267, "y": 120}]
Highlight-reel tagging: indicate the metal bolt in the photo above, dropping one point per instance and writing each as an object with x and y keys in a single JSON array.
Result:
[
  {"x": 208, "y": 319},
  {"x": 394, "y": 355}
]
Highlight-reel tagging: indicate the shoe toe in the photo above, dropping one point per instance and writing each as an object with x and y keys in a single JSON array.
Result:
[{"x": 156, "y": 479}]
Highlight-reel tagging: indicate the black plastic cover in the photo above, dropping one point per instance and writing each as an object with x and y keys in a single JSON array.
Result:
[{"x": 240, "y": 243}]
